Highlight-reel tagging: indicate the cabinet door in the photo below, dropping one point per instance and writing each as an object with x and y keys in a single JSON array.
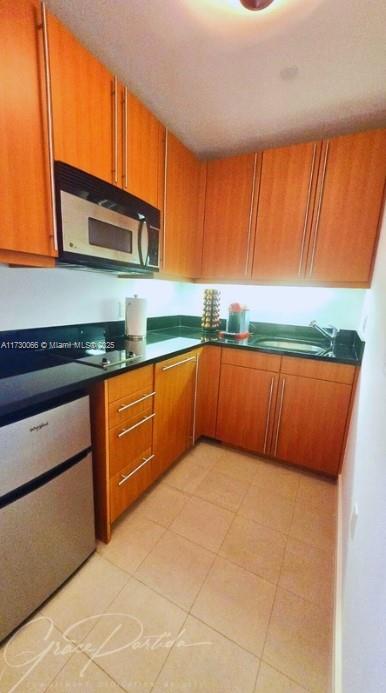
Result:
[
  {"x": 286, "y": 192},
  {"x": 182, "y": 223},
  {"x": 348, "y": 207},
  {"x": 175, "y": 382},
  {"x": 208, "y": 382},
  {"x": 228, "y": 217},
  {"x": 25, "y": 205},
  {"x": 143, "y": 142},
  {"x": 83, "y": 104},
  {"x": 310, "y": 423},
  {"x": 245, "y": 407}
]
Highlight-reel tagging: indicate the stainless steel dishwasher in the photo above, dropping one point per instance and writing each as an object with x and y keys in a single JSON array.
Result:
[{"x": 46, "y": 506}]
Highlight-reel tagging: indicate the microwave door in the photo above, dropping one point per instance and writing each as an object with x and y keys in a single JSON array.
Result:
[{"x": 143, "y": 242}]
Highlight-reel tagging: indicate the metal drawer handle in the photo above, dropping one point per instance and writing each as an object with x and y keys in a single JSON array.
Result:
[
  {"x": 137, "y": 401},
  {"x": 268, "y": 414},
  {"x": 279, "y": 417},
  {"x": 126, "y": 478},
  {"x": 127, "y": 430},
  {"x": 179, "y": 363}
]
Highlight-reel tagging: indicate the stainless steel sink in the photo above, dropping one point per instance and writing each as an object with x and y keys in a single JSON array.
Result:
[{"x": 291, "y": 345}]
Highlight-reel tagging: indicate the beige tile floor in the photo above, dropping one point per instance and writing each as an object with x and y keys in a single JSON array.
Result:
[{"x": 219, "y": 580}]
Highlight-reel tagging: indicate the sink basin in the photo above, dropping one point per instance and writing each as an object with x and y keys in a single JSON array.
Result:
[{"x": 290, "y": 345}]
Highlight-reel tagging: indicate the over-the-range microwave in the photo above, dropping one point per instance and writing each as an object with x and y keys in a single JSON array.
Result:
[{"x": 102, "y": 227}]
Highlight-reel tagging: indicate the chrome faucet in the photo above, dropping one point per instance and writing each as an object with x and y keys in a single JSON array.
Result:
[{"x": 330, "y": 333}]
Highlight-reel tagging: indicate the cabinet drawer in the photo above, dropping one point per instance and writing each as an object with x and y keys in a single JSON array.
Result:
[
  {"x": 126, "y": 444},
  {"x": 129, "y": 484},
  {"x": 131, "y": 408},
  {"x": 176, "y": 361},
  {"x": 130, "y": 384},
  {"x": 309, "y": 368},
  {"x": 251, "y": 359}
]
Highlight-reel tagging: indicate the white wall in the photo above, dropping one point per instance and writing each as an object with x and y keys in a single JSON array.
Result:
[
  {"x": 38, "y": 298},
  {"x": 283, "y": 304},
  {"x": 364, "y": 484}
]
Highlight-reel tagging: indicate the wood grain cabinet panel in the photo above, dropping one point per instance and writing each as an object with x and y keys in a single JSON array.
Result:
[
  {"x": 250, "y": 359},
  {"x": 286, "y": 193},
  {"x": 182, "y": 218},
  {"x": 124, "y": 491},
  {"x": 175, "y": 384},
  {"x": 25, "y": 203},
  {"x": 246, "y": 407},
  {"x": 83, "y": 105},
  {"x": 143, "y": 142},
  {"x": 230, "y": 186},
  {"x": 117, "y": 451},
  {"x": 129, "y": 385},
  {"x": 310, "y": 423},
  {"x": 321, "y": 370},
  {"x": 347, "y": 209},
  {"x": 207, "y": 391}
]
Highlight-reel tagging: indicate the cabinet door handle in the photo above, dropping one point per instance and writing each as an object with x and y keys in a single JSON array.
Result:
[
  {"x": 137, "y": 401},
  {"x": 251, "y": 216},
  {"x": 50, "y": 135},
  {"x": 125, "y": 478},
  {"x": 307, "y": 213},
  {"x": 115, "y": 130},
  {"x": 125, "y": 140},
  {"x": 268, "y": 414},
  {"x": 279, "y": 417},
  {"x": 195, "y": 399},
  {"x": 179, "y": 363},
  {"x": 131, "y": 428},
  {"x": 315, "y": 242},
  {"x": 162, "y": 263}
]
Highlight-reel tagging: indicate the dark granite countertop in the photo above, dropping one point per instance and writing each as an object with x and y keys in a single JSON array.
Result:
[{"x": 166, "y": 337}]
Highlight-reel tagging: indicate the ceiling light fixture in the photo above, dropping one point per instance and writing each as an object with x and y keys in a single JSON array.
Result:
[{"x": 256, "y": 4}]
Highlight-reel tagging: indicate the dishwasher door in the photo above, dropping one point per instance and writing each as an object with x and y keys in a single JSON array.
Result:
[{"x": 46, "y": 535}]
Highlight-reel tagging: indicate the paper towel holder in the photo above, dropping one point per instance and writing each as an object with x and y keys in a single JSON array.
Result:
[{"x": 135, "y": 318}]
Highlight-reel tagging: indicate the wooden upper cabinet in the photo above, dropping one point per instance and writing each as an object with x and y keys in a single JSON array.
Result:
[
  {"x": 286, "y": 193},
  {"x": 182, "y": 219},
  {"x": 143, "y": 151},
  {"x": 25, "y": 204},
  {"x": 347, "y": 209},
  {"x": 83, "y": 103},
  {"x": 228, "y": 217}
]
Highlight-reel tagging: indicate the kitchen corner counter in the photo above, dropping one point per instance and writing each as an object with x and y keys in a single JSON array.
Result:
[{"x": 19, "y": 391}]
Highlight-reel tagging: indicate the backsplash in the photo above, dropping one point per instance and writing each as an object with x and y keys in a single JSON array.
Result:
[
  {"x": 46, "y": 297},
  {"x": 286, "y": 304}
]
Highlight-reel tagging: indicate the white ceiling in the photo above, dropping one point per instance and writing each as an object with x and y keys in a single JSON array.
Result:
[{"x": 211, "y": 70}]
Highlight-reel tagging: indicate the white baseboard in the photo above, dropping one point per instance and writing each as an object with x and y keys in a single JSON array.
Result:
[{"x": 337, "y": 644}]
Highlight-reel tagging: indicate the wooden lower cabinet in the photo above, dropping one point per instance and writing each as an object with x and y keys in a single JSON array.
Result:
[
  {"x": 311, "y": 422},
  {"x": 175, "y": 386},
  {"x": 293, "y": 409},
  {"x": 122, "y": 415},
  {"x": 246, "y": 400},
  {"x": 208, "y": 381}
]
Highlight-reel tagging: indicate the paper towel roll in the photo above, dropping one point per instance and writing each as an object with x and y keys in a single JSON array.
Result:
[{"x": 135, "y": 317}]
